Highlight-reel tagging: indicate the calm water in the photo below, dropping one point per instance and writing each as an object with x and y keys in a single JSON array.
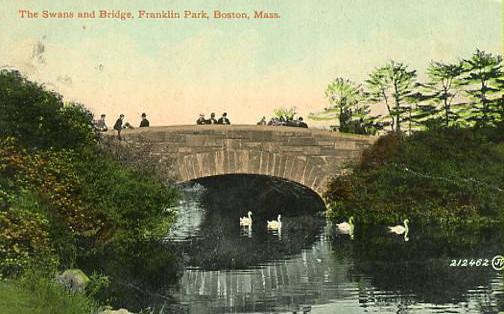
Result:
[{"x": 223, "y": 268}]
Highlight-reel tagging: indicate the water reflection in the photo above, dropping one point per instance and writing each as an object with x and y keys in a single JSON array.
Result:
[
  {"x": 308, "y": 265},
  {"x": 190, "y": 215},
  {"x": 223, "y": 244},
  {"x": 219, "y": 242},
  {"x": 335, "y": 275},
  {"x": 326, "y": 272},
  {"x": 419, "y": 269}
]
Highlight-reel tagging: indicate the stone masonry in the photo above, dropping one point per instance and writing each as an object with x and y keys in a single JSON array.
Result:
[{"x": 306, "y": 156}]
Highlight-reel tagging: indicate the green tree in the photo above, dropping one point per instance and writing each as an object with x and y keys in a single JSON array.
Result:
[
  {"x": 38, "y": 118},
  {"x": 377, "y": 90},
  {"x": 481, "y": 74},
  {"x": 344, "y": 96},
  {"x": 392, "y": 84},
  {"x": 415, "y": 112},
  {"x": 440, "y": 93},
  {"x": 285, "y": 113},
  {"x": 500, "y": 105},
  {"x": 363, "y": 122},
  {"x": 346, "y": 108}
]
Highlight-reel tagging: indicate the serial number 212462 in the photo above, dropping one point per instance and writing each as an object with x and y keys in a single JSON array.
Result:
[{"x": 482, "y": 262}]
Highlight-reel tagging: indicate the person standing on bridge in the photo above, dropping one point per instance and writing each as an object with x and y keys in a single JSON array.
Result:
[
  {"x": 118, "y": 126},
  {"x": 224, "y": 119},
  {"x": 144, "y": 123}
]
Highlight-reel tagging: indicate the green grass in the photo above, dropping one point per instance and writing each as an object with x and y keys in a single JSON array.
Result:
[{"x": 41, "y": 296}]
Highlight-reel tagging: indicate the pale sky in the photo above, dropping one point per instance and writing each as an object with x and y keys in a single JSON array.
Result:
[{"x": 175, "y": 69}]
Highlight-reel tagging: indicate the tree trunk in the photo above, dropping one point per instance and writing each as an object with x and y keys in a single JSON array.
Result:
[
  {"x": 447, "y": 110},
  {"x": 397, "y": 105},
  {"x": 389, "y": 110}
]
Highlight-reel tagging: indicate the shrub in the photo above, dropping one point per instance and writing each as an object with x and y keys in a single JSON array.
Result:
[
  {"x": 61, "y": 194},
  {"x": 127, "y": 202},
  {"x": 38, "y": 118},
  {"x": 448, "y": 177},
  {"x": 24, "y": 237},
  {"x": 74, "y": 200}
]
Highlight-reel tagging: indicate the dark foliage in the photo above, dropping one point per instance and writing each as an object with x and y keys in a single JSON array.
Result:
[
  {"x": 61, "y": 194},
  {"x": 448, "y": 177},
  {"x": 38, "y": 118}
]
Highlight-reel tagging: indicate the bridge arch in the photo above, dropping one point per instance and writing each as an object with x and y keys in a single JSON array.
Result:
[
  {"x": 299, "y": 169},
  {"x": 305, "y": 156}
]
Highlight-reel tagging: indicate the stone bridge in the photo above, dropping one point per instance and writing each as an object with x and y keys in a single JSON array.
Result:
[{"x": 306, "y": 156}]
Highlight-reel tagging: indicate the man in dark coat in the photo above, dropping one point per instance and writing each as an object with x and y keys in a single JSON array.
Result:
[
  {"x": 212, "y": 119},
  {"x": 118, "y": 126},
  {"x": 224, "y": 119},
  {"x": 301, "y": 123},
  {"x": 144, "y": 123}
]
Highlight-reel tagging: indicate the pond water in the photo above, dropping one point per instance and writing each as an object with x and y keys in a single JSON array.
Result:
[{"x": 223, "y": 268}]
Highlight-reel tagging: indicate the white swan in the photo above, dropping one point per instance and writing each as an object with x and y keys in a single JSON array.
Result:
[
  {"x": 246, "y": 221},
  {"x": 275, "y": 224},
  {"x": 399, "y": 229},
  {"x": 346, "y": 227}
]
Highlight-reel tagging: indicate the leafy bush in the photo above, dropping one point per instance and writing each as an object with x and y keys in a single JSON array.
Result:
[
  {"x": 61, "y": 194},
  {"x": 72, "y": 205},
  {"x": 77, "y": 124},
  {"x": 38, "y": 118},
  {"x": 285, "y": 113},
  {"x": 128, "y": 203},
  {"x": 447, "y": 177},
  {"x": 24, "y": 237}
]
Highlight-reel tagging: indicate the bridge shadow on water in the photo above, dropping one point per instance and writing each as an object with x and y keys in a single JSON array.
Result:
[
  {"x": 266, "y": 196},
  {"x": 220, "y": 243}
]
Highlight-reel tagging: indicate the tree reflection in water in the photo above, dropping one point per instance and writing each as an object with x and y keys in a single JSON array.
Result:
[
  {"x": 420, "y": 270},
  {"x": 219, "y": 268}
]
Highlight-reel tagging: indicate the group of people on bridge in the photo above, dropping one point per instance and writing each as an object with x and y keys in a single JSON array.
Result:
[
  {"x": 222, "y": 120},
  {"x": 119, "y": 125},
  {"x": 274, "y": 121},
  {"x": 284, "y": 122}
]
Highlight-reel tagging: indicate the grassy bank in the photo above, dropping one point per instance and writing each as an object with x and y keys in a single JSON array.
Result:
[
  {"x": 41, "y": 296},
  {"x": 446, "y": 177}
]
